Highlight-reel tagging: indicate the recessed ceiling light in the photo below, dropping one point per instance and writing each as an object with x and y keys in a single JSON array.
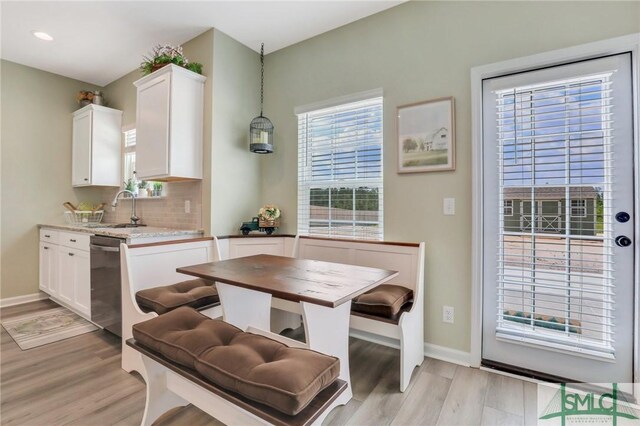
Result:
[{"x": 42, "y": 35}]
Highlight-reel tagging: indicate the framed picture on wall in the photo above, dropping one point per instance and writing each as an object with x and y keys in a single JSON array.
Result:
[{"x": 426, "y": 136}]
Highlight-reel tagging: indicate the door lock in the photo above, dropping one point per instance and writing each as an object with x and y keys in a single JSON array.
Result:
[
  {"x": 623, "y": 241},
  {"x": 623, "y": 217}
]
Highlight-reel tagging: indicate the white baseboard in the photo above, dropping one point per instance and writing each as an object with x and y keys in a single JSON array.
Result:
[
  {"x": 442, "y": 353},
  {"x": 19, "y": 300}
]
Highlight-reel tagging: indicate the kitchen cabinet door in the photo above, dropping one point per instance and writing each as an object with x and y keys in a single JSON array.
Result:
[
  {"x": 169, "y": 124},
  {"x": 81, "y": 147},
  {"x": 97, "y": 150},
  {"x": 82, "y": 283},
  {"x": 49, "y": 268},
  {"x": 152, "y": 128},
  {"x": 66, "y": 275}
]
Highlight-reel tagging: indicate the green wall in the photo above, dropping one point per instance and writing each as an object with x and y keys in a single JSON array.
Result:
[
  {"x": 35, "y": 154},
  {"x": 414, "y": 52}
]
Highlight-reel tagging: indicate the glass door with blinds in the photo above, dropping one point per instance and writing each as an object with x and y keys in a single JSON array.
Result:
[{"x": 558, "y": 204}]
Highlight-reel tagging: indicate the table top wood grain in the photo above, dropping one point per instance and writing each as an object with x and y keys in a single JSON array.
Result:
[{"x": 298, "y": 280}]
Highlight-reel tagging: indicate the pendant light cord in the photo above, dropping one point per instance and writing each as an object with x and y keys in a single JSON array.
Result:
[{"x": 261, "y": 77}]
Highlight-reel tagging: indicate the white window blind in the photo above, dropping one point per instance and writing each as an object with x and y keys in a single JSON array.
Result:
[
  {"x": 340, "y": 171},
  {"x": 555, "y": 285}
]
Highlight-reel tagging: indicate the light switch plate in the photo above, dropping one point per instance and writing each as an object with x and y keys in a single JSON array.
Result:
[
  {"x": 449, "y": 206},
  {"x": 187, "y": 206}
]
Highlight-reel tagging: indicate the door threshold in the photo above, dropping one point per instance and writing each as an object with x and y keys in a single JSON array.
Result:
[{"x": 521, "y": 373}]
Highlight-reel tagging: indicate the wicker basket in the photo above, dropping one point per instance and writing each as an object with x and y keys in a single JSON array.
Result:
[{"x": 263, "y": 223}]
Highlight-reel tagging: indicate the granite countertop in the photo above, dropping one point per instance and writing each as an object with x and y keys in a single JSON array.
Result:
[{"x": 129, "y": 233}]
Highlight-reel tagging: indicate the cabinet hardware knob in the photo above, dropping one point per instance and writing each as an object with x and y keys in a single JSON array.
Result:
[
  {"x": 72, "y": 240},
  {"x": 70, "y": 254},
  {"x": 86, "y": 179},
  {"x": 47, "y": 236},
  {"x": 46, "y": 248}
]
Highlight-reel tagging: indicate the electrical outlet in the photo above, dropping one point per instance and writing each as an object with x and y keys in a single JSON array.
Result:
[
  {"x": 447, "y": 314},
  {"x": 187, "y": 206}
]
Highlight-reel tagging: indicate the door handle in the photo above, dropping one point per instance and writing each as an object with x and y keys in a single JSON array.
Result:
[
  {"x": 623, "y": 241},
  {"x": 104, "y": 248}
]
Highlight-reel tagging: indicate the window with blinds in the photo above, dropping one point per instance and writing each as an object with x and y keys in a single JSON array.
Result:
[
  {"x": 555, "y": 285},
  {"x": 340, "y": 171}
]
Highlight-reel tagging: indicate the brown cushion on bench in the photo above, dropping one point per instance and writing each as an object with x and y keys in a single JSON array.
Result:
[
  {"x": 251, "y": 365},
  {"x": 385, "y": 300},
  {"x": 194, "y": 293},
  {"x": 269, "y": 372},
  {"x": 183, "y": 334}
]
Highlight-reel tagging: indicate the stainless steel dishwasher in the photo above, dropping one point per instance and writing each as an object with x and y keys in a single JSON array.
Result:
[{"x": 106, "y": 292}]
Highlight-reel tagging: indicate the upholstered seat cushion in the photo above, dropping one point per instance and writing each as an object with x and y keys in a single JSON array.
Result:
[
  {"x": 386, "y": 300},
  {"x": 254, "y": 366},
  {"x": 182, "y": 334},
  {"x": 194, "y": 293}
]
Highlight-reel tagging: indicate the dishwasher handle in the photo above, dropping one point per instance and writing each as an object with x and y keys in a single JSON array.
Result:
[{"x": 104, "y": 248}]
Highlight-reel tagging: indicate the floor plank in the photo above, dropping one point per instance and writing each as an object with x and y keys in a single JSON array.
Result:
[
  {"x": 493, "y": 417},
  {"x": 465, "y": 401},
  {"x": 422, "y": 406},
  {"x": 505, "y": 394}
]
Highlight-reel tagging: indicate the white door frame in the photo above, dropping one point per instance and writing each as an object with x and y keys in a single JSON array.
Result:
[{"x": 628, "y": 43}]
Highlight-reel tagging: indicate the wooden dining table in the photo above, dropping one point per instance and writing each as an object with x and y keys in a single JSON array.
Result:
[{"x": 324, "y": 291}]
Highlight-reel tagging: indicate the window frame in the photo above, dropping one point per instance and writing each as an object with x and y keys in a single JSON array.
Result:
[
  {"x": 582, "y": 207},
  {"x": 306, "y": 182},
  {"x": 505, "y": 207}
]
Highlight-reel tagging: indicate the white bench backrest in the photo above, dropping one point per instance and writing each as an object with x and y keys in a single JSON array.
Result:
[
  {"x": 406, "y": 258},
  {"x": 155, "y": 265}
]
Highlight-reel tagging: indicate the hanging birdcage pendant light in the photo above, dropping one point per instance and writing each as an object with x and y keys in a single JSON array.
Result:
[{"x": 261, "y": 129}]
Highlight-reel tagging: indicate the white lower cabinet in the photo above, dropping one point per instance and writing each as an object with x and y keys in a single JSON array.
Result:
[
  {"x": 65, "y": 271},
  {"x": 49, "y": 268}
]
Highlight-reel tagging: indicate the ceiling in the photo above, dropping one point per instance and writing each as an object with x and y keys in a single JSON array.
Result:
[{"x": 98, "y": 42}]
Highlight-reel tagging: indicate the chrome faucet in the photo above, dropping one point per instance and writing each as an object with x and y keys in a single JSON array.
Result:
[{"x": 134, "y": 217}]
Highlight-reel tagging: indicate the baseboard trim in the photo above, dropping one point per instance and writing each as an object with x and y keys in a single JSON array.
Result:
[
  {"x": 19, "y": 300},
  {"x": 442, "y": 353}
]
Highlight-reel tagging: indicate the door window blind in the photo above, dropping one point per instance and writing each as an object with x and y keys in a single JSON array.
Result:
[
  {"x": 555, "y": 285},
  {"x": 340, "y": 190}
]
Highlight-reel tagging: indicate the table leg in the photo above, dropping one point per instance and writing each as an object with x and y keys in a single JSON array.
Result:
[
  {"x": 327, "y": 331},
  {"x": 242, "y": 307}
]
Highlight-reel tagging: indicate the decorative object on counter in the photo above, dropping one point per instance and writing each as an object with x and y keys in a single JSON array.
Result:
[
  {"x": 85, "y": 214},
  {"x": 162, "y": 55},
  {"x": 261, "y": 128},
  {"x": 157, "y": 189},
  {"x": 268, "y": 220},
  {"x": 426, "y": 136},
  {"x": 142, "y": 188},
  {"x": 254, "y": 225}
]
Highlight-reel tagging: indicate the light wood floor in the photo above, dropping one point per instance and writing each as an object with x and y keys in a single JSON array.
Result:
[{"x": 79, "y": 381}]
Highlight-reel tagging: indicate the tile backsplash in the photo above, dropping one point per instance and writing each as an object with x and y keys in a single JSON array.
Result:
[{"x": 167, "y": 211}]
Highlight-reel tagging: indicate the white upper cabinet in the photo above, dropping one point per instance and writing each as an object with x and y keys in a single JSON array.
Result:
[
  {"x": 97, "y": 135},
  {"x": 169, "y": 121}
]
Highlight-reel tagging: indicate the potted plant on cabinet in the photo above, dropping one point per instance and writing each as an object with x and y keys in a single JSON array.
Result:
[{"x": 163, "y": 55}]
